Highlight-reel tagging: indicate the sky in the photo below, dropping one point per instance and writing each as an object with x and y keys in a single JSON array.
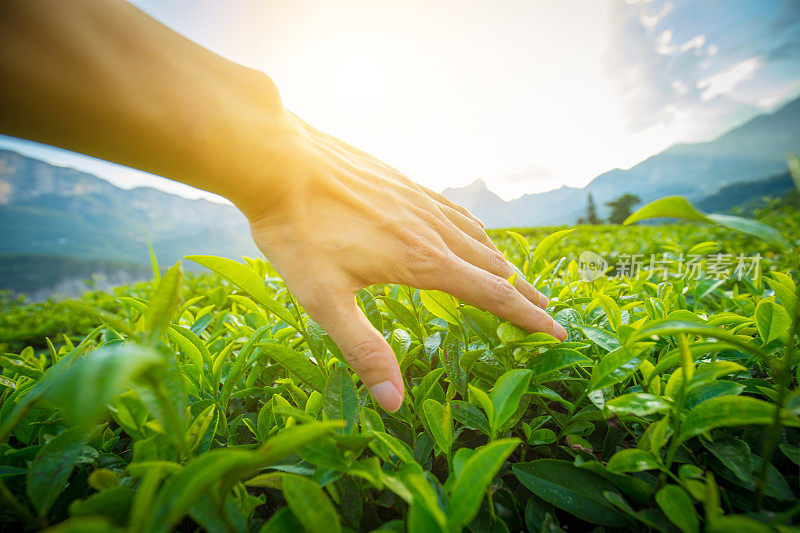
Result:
[{"x": 526, "y": 95}]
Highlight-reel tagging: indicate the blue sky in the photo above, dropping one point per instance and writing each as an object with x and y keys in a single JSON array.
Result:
[{"x": 527, "y": 95}]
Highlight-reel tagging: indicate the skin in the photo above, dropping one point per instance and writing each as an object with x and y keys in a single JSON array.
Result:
[{"x": 102, "y": 78}]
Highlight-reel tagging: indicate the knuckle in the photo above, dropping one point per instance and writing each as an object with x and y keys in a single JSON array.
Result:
[
  {"x": 365, "y": 354},
  {"x": 503, "y": 293},
  {"x": 427, "y": 256},
  {"x": 499, "y": 264}
]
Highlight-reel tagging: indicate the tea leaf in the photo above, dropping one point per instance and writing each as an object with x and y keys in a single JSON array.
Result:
[
  {"x": 246, "y": 279},
  {"x": 678, "y": 508},
  {"x": 616, "y": 366},
  {"x": 631, "y": 460},
  {"x": 297, "y": 364},
  {"x": 310, "y": 505},
  {"x": 548, "y": 242},
  {"x": 340, "y": 399},
  {"x": 727, "y": 411},
  {"x": 475, "y": 476},
  {"x": 441, "y": 305},
  {"x": 772, "y": 320},
  {"x": 52, "y": 466},
  {"x": 506, "y": 395},
  {"x": 575, "y": 490},
  {"x": 555, "y": 359},
  {"x": 165, "y": 301},
  {"x": 439, "y": 423},
  {"x": 638, "y": 404}
]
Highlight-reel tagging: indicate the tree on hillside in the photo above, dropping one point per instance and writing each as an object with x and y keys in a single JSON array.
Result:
[
  {"x": 621, "y": 208},
  {"x": 591, "y": 213}
]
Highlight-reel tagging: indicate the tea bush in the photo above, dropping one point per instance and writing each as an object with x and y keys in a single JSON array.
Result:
[{"x": 213, "y": 402}]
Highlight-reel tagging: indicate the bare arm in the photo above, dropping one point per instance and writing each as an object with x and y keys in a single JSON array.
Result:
[{"x": 102, "y": 78}]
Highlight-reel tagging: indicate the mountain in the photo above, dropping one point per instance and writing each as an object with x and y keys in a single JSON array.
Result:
[
  {"x": 49, "y": 214},
  {"x": 754, "y": 150},
  {"x": 749, "y": 195},
  {"x": 57, "y": 211}
]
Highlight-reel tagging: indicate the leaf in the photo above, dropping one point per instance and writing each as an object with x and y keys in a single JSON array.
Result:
[
  {"x": 611, "y": 309},
  {"x": 440, "y": 424},
  {"x": 483, "y": 399},
  {"x": 726, "y": 411},
  {"x": 227, "y": 466},
  {"x": 772, "y": 320},
  {"x": 548, "y": 242},
  {"x": 738, "y": 524},
  {"x": 84, "y": 389},
  {"x": 638, "y": 404},
  {"x": 441, "y": 305},
  {"x": 506, "y": 395},
  {"x": 340, "y": 399},
  {"x": 677, "y": 506},
  {"x": 555, "y": 359},
  {"x": 521, "y": 243},
  {"x": 246, "y": 279},
  {"x": 631, "y": 460},
  {"x": 575, "y": 490},
  {"x": 402, "y": 314},
  {"x": 670, "y": 207},
  {"x": 476, "y": 474},
  {"x": 675, "y": 327},
  {"x": 784, "y": 289},
  {"x": 310, "y": 505},
  {"x": 282, "y": 521},
  {"x": 734, "y": 454},
  {"x": 679, "y": 207},
  {"x": 616, "y": 366},
  {"x": 470, "y": 416},
  {"x": 509, "y": 333},
  {"x": 52, "y": 466},
  {"x": 604, "y": 339},
  {"x": 764, "y": 232},
  {"x": 165, "y": 301},
  {"x": 297, "y": 364}
]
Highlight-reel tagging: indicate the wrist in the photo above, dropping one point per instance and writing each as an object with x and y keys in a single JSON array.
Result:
[{"x": 243, "y": 138}]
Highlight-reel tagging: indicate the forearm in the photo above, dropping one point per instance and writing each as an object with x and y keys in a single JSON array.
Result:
[{"x": 104, "y": 79}]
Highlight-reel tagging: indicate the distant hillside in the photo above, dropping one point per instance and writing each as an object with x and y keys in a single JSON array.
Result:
[
  {"x": 754, "y": 150},
  {"x": 60, "y": 226},
  {"x": 49, "y": 210},
  {"x": 749, "y": 195},
  {"x": 40, "y": 277}
]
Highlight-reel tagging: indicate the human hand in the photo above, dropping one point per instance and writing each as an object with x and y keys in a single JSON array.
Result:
[
  {"x": 330, "y": 218},
  {"x": 333, "y": 220}
]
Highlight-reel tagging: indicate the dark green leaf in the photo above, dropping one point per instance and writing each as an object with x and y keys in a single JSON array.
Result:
[{"x": 575, "y": 490}]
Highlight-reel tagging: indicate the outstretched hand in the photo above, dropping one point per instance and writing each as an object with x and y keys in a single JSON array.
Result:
[
  {"x": 335, "y": 220},
  {"x": 330, "y": 219}
]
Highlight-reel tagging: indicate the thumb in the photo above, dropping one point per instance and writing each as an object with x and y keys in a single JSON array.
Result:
[{"x": 365, "y": 350}]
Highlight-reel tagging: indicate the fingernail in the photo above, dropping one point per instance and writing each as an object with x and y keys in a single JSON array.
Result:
[
  {"x": 387, "y": 395},
  {"x": 560, "y": 332},
  {"x": 543, "y": 301}
]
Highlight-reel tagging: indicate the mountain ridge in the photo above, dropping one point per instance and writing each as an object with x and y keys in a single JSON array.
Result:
[{"x": 750, "y": 151}]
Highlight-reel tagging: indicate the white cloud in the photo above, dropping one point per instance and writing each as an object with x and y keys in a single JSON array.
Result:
[
  {"x": 695, "y": 42},
  {"x": 649, "y": 21},
  {"x": 770, "y": 101},
  {"x": 679, "y": 87},
  {"x": 727, "y": 80},
  {"x": 712, "y": 49},
  {"x": 663, "y": 45}
]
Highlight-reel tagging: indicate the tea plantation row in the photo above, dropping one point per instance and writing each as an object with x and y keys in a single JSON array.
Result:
[{"x": 212, "y": 401}]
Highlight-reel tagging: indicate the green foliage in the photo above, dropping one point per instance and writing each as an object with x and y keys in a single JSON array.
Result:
[
  {"x": 211, "y": 402},
  {"x": 621, "y": 208}
]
